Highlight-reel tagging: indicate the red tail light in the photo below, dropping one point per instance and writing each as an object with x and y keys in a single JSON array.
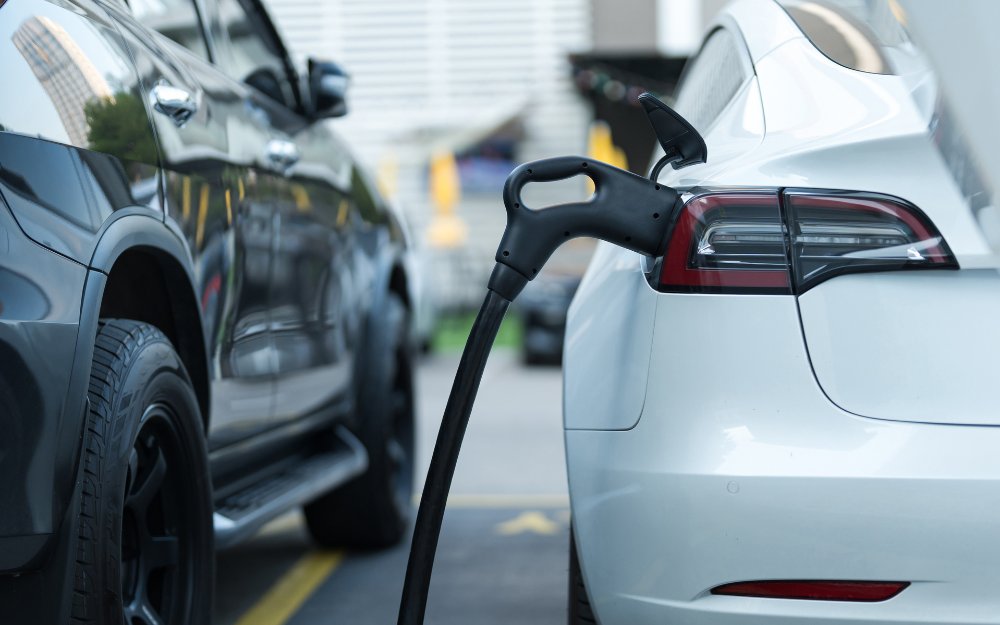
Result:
[
  {"x": 835, "y": 233},
  {"x": 727, "y": 243},
  {"x": 814, "y": 590},
  {"x": 749, "y": 242}
]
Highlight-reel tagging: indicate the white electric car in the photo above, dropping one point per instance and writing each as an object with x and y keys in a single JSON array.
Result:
[{"x": 794, "y": 415}]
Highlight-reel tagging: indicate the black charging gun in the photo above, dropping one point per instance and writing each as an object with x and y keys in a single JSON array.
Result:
[{"x": 627, "y": 210}]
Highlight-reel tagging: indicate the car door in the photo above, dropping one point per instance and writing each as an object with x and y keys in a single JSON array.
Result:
[
  {"x": 311, "y": 279},
  {"x": 212, "y": 137}
]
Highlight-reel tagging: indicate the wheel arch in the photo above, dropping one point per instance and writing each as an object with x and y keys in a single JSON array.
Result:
[
  {"x": 398, "y": 282},
  {"x": 389, "y": 277},
  {"x": 142, "y": 256}
]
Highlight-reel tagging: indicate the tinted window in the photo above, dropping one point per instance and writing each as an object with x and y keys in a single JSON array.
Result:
[
  {"x": 177, "y": 19},
  {"x": 840, "y": 34},
  {"x": 710, "y": 80},
  {"x": 254, "y": 55}
]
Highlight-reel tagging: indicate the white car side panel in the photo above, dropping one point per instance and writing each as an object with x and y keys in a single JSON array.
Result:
[
  {"x": 609, "y": 330},
  {"x": 741, "y": 469},
  {"x": 910, "y": 346}
]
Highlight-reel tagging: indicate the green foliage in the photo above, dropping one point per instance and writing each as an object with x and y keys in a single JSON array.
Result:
[
  {"x": 452, "y": 331},
  {"x": 120, "y": 127}
]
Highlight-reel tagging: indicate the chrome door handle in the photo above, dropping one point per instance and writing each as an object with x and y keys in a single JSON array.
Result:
[
  {"x": 284, "y": 154},
  {"x": 177, "y": 104}
]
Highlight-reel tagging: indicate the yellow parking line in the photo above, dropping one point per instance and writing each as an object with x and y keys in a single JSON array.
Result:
[
  {"x": 285, "y": 598},
  {"x": 503, "y": 501}
]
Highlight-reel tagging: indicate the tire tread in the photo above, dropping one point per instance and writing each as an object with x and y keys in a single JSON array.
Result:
[
  {"x": 362, "y": 514},
  {"x": 579, "y": 610},
  {"x": 117, "y": 339}
]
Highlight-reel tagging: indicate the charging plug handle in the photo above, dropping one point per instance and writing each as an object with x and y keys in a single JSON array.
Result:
[{"x": 627, "y": 210}]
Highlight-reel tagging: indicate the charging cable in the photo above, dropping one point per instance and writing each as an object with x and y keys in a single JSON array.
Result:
[{"x": 628, "y": 210}]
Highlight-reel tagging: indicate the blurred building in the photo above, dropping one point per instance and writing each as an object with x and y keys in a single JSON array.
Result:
[
  {"x": 491, "y": 82},
  {"x": 666, "y": 28}
]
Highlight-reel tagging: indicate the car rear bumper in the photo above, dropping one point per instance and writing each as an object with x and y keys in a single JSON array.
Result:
[
  {"x": 740, "y": 469},
  {"x": 655, "y": 538}
]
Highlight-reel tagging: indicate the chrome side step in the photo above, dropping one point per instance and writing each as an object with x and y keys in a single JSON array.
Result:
[{"x": 241, "y": 514}]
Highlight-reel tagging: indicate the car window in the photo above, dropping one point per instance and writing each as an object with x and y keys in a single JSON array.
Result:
[
  {"x": 864, "y": 35},
  {"x": 176, "y": 19},
  {"x": 254, "y": 56},
  {"x": 839, "y": 35},
  {"x": 710, "y": 80}
]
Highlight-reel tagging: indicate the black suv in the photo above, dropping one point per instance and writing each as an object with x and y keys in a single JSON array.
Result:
[{"x": 203, "y": 309}]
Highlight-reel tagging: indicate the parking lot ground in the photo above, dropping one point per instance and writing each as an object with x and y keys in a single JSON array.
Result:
[{"x": 503, "y": 552}]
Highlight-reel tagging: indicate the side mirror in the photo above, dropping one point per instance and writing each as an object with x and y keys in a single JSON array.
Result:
[{"x": 328, "y": 89}]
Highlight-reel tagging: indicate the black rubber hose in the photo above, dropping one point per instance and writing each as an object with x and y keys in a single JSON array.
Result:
[
  {"x": 442, "y": 469},
  {"x": 626, "y": 210}
]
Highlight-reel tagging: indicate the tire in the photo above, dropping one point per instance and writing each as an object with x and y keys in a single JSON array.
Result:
[
  {"x": 372, "y": 511},
  {"x": 145, "y": 535},
  {"x": 531, "y": 358},
  {"x": 579, "y": 612}
]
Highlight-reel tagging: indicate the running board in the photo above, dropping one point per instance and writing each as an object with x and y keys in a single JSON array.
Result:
[{"x": 241, "y": 514}]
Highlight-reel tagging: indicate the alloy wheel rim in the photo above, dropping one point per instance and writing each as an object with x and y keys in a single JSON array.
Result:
[{"x": 156, "y": 533}]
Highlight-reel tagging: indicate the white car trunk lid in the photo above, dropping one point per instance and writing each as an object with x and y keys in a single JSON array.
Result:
[{"x": 908, "y": 346}]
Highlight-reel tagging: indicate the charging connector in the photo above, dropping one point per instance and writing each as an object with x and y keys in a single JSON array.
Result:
[{"x": 626, "y": 209}]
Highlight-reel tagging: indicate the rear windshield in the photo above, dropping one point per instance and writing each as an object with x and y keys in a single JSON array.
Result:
[{"x": 865, "y": 35}]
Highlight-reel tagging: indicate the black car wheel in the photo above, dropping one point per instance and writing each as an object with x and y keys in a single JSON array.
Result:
[
  {"x": 145, "y": 553},
  {"x": 372, "y": 510}
]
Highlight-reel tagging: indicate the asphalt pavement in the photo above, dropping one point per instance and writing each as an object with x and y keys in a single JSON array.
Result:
[{"x": 502, "y": 556}]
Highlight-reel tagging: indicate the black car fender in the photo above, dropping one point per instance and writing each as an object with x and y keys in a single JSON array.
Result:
[
  {"x": 148, "y": 233},
  {"x": 389, "y": 276},
  {"x": 129, "y": 231}
]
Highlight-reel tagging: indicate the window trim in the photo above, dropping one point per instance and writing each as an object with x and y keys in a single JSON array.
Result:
[
  {"x": 860, "y": 27},
  {"x": 213, "y": 53},
  {"x": 125, "y": 7},
  {"x": 291, "y": 75},
  {"x": 723, "y": 22}
]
